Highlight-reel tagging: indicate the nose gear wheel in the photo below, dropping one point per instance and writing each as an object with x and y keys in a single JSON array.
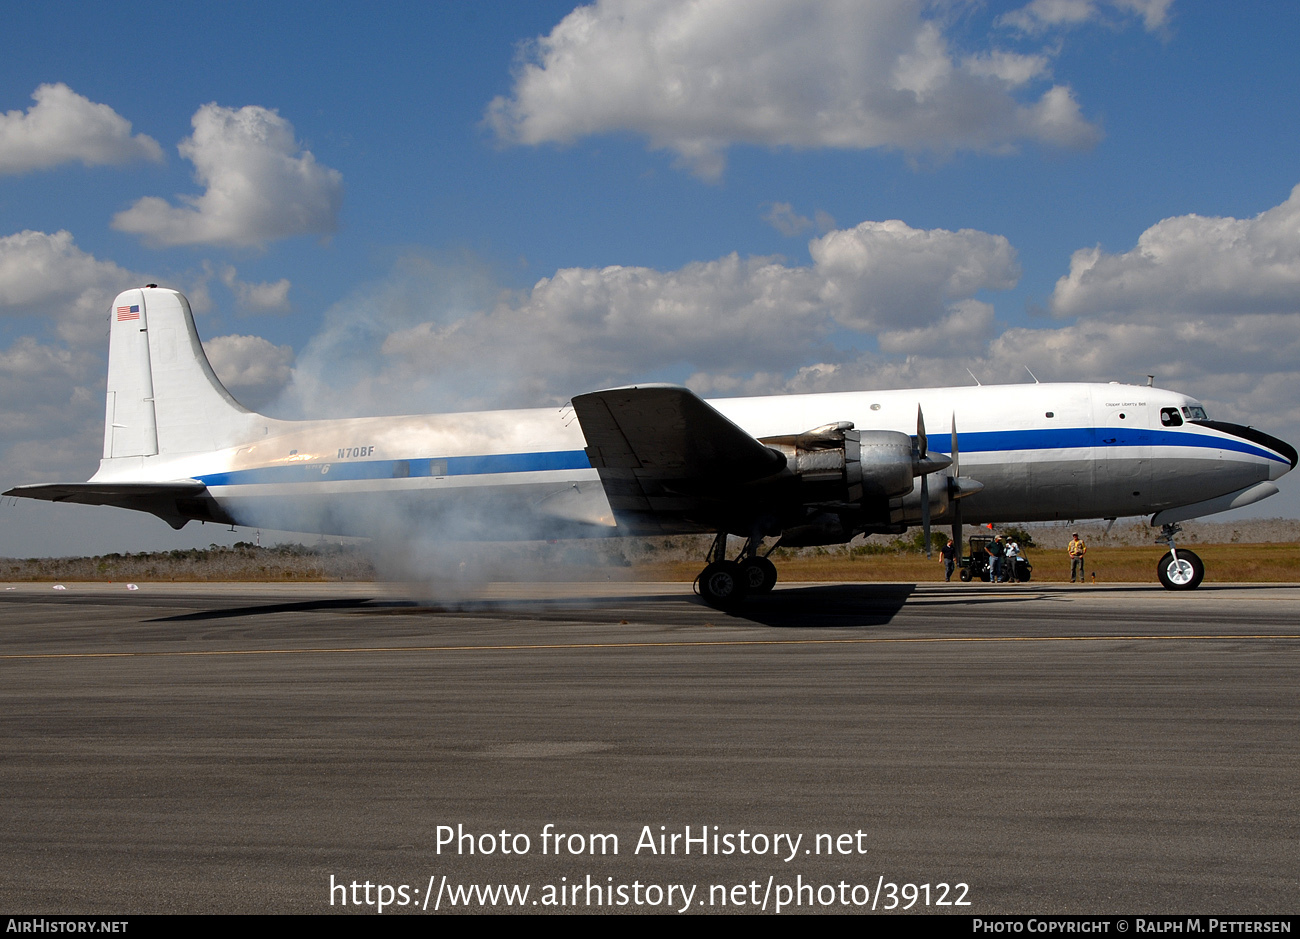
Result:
[{"x": 1182, "y": 572}]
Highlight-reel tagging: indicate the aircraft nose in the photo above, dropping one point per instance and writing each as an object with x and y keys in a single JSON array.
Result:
[
  {"x": 1277, "y": 470},
  {"x": 1280, "y": 447},
  {"x": 1283, "y": 449}
]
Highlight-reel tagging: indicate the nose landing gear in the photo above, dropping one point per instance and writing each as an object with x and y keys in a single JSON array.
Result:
[{"x": 1178, "y": 570}]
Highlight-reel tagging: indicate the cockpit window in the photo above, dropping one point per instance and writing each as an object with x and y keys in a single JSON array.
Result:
[
  {"x": 1195, "y": 413},
  {"x": 1169, "y": 417}
]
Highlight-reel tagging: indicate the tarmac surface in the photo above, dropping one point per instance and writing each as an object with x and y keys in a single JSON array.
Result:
[{"x": 253, "y": 748}]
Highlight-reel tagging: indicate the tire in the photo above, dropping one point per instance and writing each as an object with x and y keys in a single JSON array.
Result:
[
  {"x": 722, "y": 584},
  {"x": 1183, "y": 574},
  {"x": 759, "y": 575},
  {"x": 965, "y": 575}
]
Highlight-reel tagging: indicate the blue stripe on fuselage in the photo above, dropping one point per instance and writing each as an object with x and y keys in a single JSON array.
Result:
[
  {"x": 1066, "y": 438},
  {"x": 402, "y": 469}
]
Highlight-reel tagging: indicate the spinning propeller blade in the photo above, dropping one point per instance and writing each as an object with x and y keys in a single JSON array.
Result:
[
  {"x": 922, "y": 449},
  {"x": 956, "y": 503}
]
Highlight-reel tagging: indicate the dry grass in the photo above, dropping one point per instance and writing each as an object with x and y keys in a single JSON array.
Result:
[
  {"x": 243, "y": 563},
  {"x": 1224, "y": 563},
  {"x": 647, "y": 560}
]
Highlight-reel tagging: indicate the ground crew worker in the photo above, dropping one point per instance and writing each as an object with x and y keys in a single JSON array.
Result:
[
  {"x": 1009, "y": 561},
  {"x": 949, "y": 554},
  {"x": 994, "y": 549},
  {"x": 1076, "y": 550}
]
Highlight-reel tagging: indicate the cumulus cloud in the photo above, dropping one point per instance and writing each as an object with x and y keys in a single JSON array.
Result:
[
  {"x": 698, "y": 77},
  {"x": 579, "y": 328},
  {"x": 51, "y": 412},
  {"x": 39, "y": 380},
  {"x": 783, "y": 217},
  {"x": 253, "y": 369},
  {"x": 261, "y": 185},
  {"x": 1209, "y": 305},
  {"x": 879, "y": 305},
  {"x": 1192, "y": 264},
  {"x": 64, "y": 127},
  {"x": 968, "y": 325},
  {"x": 592, "y": 327},
  {"x": 262, "y": 297},
  {"x": 883, "y": 275},
  {"x": 1010, "y": 67},
  {"x": 49, "y": 278},
  {"x": 1041, "y": 15},
  {"x": 1154, "y": 13},
  {"x": 51, "y": 407}
]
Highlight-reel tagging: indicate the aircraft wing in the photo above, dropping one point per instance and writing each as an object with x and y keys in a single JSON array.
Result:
[
  {"x": 174, "y": 502},
  {"x": 661, "y": 450}
]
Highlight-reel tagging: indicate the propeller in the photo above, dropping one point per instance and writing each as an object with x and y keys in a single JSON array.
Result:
[
  {"x": 956, "y": 503},
  {"x": 923, "y": 467},
  {"x": 922, "y": 449}
]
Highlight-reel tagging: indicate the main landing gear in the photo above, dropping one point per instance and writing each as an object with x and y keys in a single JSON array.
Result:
[
  {"x": 1178, "y": 570},
  {"x": 724, "y": 583}
]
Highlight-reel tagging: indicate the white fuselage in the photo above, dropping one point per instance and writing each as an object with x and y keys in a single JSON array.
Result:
[{"x": 1041, "y": 451}]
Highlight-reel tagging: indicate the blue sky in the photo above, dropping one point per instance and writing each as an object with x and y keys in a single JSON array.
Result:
[{"x": 479, "y": 205}]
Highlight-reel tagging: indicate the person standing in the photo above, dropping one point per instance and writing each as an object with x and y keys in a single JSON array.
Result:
[
  {"x": 994, "y": 549},
  {"x": 1009, "y": 561},
  {"x": 949, "y": 554},
  {"x": 1076, "y": 549}
]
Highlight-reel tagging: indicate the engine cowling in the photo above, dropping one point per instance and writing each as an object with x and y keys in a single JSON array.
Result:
[
  {"x": 835, "y": 463},
  {"x": 846, "y": 480}
]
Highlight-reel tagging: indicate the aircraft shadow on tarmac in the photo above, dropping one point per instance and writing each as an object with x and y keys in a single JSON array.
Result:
[
  {"x": 838, "y": 605},
  {"x": 303, "y": 606},
  {"x": 850, "y": 605},
  {"x": 813, "y": 607},
  {"x": 843, "y": 605}
]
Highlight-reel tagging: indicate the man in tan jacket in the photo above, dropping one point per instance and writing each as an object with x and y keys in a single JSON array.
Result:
[{"x": 1076, "y": 550}]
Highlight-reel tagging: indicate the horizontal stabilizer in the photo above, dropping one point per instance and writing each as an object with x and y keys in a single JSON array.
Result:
[{"x": 174, "y": 502}]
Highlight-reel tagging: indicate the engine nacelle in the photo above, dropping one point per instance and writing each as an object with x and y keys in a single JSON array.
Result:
[
  {"x": 888, "y": 464},
  {"x": 837, "y": 464},
  {"x": 845, "y": 481}
]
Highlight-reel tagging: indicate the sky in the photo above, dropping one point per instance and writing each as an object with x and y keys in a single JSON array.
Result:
[{"x": 450, "y": 206}]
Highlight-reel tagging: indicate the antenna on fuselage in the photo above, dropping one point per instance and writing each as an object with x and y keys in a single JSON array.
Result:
[
  {"x": 1033, "y": 376},
  {"x": 1151, "y": 381},
  {"x": 973, "y": 378}
]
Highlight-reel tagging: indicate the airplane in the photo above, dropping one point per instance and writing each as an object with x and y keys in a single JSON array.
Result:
[{"x": 653, "y": 459}]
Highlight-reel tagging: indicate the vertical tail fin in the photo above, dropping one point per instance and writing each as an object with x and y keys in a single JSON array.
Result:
[{"x": 163, "y": 397}]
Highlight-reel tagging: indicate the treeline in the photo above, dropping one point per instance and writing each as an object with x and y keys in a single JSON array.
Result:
[{"x": 243, "y": 561}]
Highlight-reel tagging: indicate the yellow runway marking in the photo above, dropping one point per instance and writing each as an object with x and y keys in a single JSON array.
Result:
[{"x": 560, "y": 646}]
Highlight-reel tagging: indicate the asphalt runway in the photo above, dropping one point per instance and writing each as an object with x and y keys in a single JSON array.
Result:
[{"x": 231, "y": 748}]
